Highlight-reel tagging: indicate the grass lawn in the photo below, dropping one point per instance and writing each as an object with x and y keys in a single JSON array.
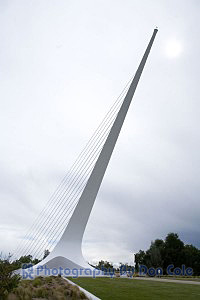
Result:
[{"x": 127, "y": 289}]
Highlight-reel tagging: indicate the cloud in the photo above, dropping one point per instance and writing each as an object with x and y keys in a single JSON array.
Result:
[{"x": 62, "y": 67}]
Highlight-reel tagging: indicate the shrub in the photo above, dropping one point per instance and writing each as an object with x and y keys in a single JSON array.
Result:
[
  {"x": 40, "y": 293},
  {"x": 8, "y": 280},
  {"x": 37, "y": 282},
  {"x": 51, "y": 288}
]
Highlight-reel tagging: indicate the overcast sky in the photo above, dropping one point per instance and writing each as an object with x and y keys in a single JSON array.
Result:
[{"x": 62, "y": 65}]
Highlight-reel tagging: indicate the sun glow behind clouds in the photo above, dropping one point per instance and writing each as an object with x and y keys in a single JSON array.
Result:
[{"x": 173, "y": 48}]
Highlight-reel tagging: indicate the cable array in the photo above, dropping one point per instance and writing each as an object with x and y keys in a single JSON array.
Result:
[{"x": 50, "y": 224}]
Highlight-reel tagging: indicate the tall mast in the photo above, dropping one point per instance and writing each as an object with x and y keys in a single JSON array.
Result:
[
  {"x": 85, "y": 204},
  {"x": 69, "y": 245}
]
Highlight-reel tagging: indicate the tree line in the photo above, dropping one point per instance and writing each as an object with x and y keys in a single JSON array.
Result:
[{"x": 171, "y": 250}]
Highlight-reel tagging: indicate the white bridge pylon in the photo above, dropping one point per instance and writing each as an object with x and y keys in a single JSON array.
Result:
[{"x": 68, "y": 251}]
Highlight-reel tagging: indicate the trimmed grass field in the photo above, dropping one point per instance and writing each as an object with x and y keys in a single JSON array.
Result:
[{"x": 127, "y": 289}]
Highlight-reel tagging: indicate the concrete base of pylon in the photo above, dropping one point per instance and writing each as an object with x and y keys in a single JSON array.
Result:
[{"x": 59, "y": 266}]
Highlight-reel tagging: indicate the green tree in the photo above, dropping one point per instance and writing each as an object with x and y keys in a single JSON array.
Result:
[
  {"x": 46, "y": 253},
  {"x": 155, "y": 256},
  {"x": 8, "y": 280},
  {"x": 24, "y": 262},
  {"x": 170, "y": 251},
  {"x": 174, "y": 253},
  {"x": 139, "y": 259},
  {"x": 192, "y": 258},
  {"x": 104, "y": 264}
]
